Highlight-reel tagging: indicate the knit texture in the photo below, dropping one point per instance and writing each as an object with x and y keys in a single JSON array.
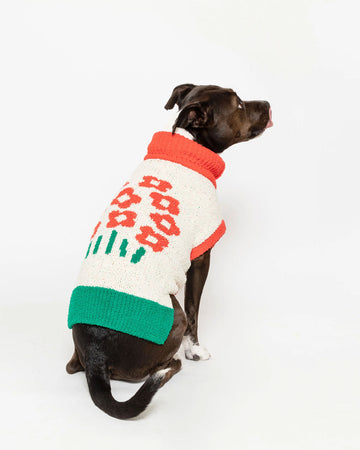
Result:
[{"x": 141, "y": 249}]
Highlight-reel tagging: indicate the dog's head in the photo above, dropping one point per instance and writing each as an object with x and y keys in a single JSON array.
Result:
[{"x": 216, "y": 117}]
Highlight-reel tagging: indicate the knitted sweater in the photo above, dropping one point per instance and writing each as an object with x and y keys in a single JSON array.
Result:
[{"x": 139, "y": 253}]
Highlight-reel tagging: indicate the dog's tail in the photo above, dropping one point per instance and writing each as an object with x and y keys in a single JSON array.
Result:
[{"x": 98, "y": 379}]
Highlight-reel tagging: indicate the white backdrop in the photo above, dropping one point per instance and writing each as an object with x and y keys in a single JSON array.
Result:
[{"x": 82, "y": 90}]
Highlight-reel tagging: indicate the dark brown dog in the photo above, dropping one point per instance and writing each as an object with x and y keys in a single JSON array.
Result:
[{"x": 216, "y": 118}]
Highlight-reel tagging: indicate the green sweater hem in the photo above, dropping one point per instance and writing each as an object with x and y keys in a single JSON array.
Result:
[{"x": 121, "y": 312}]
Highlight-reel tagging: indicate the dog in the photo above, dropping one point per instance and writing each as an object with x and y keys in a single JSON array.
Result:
[{"x": 210, "y": 119}]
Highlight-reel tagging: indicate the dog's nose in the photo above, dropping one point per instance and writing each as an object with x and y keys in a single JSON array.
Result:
[{"x": 270, "y": 122}]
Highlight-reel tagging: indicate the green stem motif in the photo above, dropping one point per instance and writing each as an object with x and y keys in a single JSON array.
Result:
[
  {"x": 123, "y": 246},
  {"x": 97, "y": 245},
  {"x": 88, "y": 250},
  {"x": 140, "y": 252},
  {"x": 111, "y": 242}
]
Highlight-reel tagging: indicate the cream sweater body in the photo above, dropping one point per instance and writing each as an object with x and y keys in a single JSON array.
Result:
[{"x": 141, "y": 249}]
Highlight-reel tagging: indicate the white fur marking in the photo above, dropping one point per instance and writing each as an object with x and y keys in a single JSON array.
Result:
[
  {"x": 161, "y": 373},
  {"x": 192, "y": 349},
  {"x": 184, "y": 133}
]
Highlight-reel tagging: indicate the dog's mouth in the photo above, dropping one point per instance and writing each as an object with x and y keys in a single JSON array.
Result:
[
  {"x": 254, "y": 134},
  {"x": 270, "y": 122}
]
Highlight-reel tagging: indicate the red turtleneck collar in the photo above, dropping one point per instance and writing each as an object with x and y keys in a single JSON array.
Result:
[{"x": 181, "y": 150}]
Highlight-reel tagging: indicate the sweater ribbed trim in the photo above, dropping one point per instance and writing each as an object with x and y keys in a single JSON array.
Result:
[
  {"x": 179, "y": 149},
  {"x": 120, "y": 311},
  {"x": 209, "y": 242}
]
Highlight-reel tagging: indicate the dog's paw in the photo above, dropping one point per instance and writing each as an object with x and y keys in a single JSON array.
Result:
[{"x": 194, "y": 351}]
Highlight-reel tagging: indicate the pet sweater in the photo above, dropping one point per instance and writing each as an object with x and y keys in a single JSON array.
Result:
[{"x": 166, "y": 215}]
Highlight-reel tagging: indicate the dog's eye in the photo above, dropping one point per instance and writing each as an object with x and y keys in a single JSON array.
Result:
[{"x": 241, "y": 103}]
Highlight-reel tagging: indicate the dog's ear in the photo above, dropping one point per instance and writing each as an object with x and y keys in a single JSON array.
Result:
[
  {"x": 178, "y": 95},
  {"x": 194, "y": 115}
]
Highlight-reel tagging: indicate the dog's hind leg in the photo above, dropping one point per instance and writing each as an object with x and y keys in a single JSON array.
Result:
[
  {"x": 173, "y": 367},
  {"x": 74, "y": 365}
]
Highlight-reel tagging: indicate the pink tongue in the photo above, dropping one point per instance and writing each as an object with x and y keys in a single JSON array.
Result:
[{"x": 270, "y": 123}]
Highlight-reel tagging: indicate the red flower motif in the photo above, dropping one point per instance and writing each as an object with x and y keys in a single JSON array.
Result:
[
  {"x": 165, "y": 203},
  {"x": 129, "y": 220},
  {"x": 95, "y": 230},
  {"x": 153, "y": 182},
  {"x": 126, "y": 198},
  {"x": 157, "y": 242},
  {"x": 170, "y": 228}
]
